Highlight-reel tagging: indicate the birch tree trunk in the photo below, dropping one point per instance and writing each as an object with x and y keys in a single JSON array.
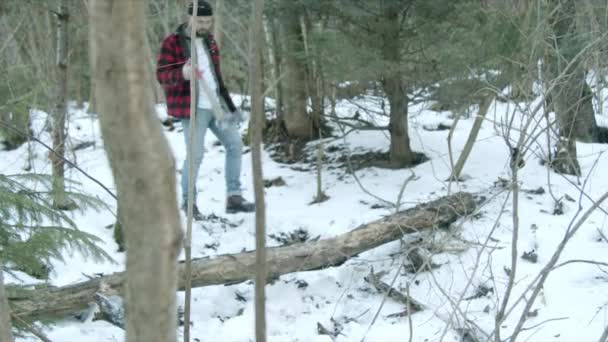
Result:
[
  {"x": 5, "y": 313},
  {"x": 61, "y": 107},
  {"x": 257, "y": 115},
  {"x": 143, "y": 168}
]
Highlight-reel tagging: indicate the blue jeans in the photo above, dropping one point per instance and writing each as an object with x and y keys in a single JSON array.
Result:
[{"x": 230, "y": 138}]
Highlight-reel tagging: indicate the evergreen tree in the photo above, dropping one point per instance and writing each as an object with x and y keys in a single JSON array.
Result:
[{"x": 32, "y": 232}]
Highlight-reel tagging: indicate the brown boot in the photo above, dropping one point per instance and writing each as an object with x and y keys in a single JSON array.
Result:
[{"x": 236, "y": 204}]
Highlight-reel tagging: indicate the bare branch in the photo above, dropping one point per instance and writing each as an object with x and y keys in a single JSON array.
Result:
[{"x": 50, "y": 149}]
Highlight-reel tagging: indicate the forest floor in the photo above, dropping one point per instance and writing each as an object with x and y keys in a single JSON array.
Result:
[{"x": 471, "y": 262}]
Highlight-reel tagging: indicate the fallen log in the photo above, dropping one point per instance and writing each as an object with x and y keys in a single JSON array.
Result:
[{"x": 236, "y": 268}]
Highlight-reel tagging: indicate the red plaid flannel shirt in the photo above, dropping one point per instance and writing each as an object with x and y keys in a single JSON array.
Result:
[{"x": 173, "y": 55}]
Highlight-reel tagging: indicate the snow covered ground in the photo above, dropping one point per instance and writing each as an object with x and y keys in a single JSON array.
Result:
[{"x": 473, "y": 256}]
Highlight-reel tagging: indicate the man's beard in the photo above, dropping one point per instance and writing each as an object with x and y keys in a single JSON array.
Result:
[{"x": 202, "y": 32}]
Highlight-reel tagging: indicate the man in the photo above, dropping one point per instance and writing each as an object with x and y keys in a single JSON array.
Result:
[{"x": 174, "y": 72}]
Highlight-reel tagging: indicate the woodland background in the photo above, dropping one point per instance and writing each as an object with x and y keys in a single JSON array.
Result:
[{"x": 295, "y": 65}]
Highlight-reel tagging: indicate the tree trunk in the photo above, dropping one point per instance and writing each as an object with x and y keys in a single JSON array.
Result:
[
  {"x": 60, "y": 110},
  {"x": 575, "y": 117},
  {"x": 92, "y": 62},
  {"x": 468, "y": 147},
  {"x": 572, "y": 96},
  {"x": 92, "y": 102},
  {"x": 157, "y": 89},
  {"x": 274, "y": 58},
  {"x": 572, "y": 100},
  {"x": 236, "y": 268},
  {"x": 143, "y": 168},
  {"x": 295, "y": 117},
  {"x": 5, "y": 313},
  {"x": 401, "y": 153},
  {"x": 312, "y": 71},
  {"x": 598, "y": 70},
  {"x": 257, "y": 116},
  {"x": 564, "y": 161},
  {"x": 218, "y": 21},
  {"x": 599, "y": 83}
]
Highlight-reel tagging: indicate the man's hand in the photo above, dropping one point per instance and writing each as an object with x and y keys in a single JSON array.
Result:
[
  {"x": 238, "y": 116},
  {"x": 235, "y": 117},
  {"x": 187, "y": 71},
  {"x": 232, "y": 119}
]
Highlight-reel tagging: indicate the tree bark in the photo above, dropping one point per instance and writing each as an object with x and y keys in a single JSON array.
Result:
[
  {"x": 5, "y": 317},
  {"x": 401, "y": 153},
  {"x": 274, "y": 58},
  {"x": 312, "y": 71},
  {"x": 257, "y": 116},
  {"x": 218, "y": 21},
  {"x": 194, "y": 86},
  {"x": 92, "y": 54},
  {"x": 295, "y": 116},
  {"x": 159, "y": 94},
  {"x": 236, "y": 268},
  {"x": 143, "y": 169},
  {"x": 571, "y": 96},
  {"x": 61, "y": 107},
  {"x": 468, "y": 147}
]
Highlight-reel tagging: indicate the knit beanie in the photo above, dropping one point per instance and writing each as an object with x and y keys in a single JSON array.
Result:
[{"x": 204, "y": 9}]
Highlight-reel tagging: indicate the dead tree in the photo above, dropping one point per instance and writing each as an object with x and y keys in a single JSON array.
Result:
[{"x": 240, "y": 267}]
